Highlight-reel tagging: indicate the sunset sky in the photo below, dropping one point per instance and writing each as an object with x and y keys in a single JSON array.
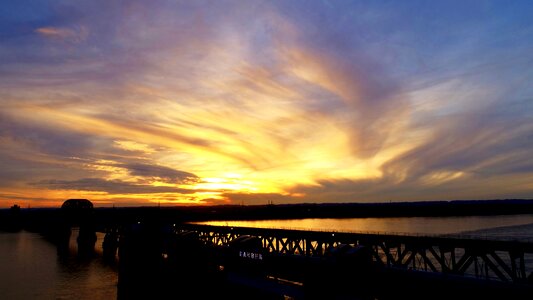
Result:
[{"x": 132, "y": 103}]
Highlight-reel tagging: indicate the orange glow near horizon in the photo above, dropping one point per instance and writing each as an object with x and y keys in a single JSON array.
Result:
[
  {"x": 250, "y": 103},
  {"x": 239, "y": 156}
]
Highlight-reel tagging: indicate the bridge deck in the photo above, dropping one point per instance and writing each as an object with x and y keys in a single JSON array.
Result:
[{"x": 507, "y": 261}]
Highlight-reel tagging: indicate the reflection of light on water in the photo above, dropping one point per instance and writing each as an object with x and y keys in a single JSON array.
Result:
[
  {"x": 410, "y": 226},
  {"x": 86, "y": 277},
  {"x": 32, "y": 269}
]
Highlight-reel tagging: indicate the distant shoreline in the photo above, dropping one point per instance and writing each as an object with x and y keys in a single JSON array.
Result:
[
  {"x": 362, "y": 210},
  {"x": 35, "y": 217}
]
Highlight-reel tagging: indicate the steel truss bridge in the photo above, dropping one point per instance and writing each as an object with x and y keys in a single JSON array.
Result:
[{"x": 505, "y": 261}]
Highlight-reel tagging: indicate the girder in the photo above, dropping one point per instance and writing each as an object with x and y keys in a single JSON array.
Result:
[{"x": 494, "y": 260}]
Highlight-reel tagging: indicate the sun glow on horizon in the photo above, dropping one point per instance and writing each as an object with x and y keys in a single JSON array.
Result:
[{"x": 248, "y": 102}]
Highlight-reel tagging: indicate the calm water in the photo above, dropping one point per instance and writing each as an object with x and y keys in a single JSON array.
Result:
[
  {"x": 31, "y": 269},
  {"x": 517, "y": 226}
]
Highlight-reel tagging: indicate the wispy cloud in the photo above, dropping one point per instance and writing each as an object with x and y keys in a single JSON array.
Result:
[
  {"x": 295, "y": 101},
  {"x": 162, "y": 173},
  {"x": 76, "y": 35},
  {"x": 109, "y": 186}
]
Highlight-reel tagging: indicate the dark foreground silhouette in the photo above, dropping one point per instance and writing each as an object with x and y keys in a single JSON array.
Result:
[
  {"x": 36, "y": 219},
  {"x": 157, "y": 263}
]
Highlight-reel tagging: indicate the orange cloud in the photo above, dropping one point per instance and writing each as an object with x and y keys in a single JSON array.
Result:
[{"x": 76, "y": 35}]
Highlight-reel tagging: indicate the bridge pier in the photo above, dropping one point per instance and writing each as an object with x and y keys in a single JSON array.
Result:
[
  {"x": 110, "y": 244},
  {"x": 61, "y": 237},
  {"x": 154, "y": 263},
  {"x": 75, "y": 213},
  {"x": 86, "y": 240},
  {"x": 139, "y": 259}
]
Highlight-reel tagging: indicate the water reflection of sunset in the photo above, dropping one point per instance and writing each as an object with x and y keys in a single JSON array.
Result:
[{"x": 412, "y": 225}]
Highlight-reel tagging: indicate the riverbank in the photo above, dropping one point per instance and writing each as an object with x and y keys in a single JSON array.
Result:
[{"x": 25, "y": 217}]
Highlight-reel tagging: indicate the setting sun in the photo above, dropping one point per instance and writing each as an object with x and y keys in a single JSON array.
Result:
[{"x": 253, "y": 102}]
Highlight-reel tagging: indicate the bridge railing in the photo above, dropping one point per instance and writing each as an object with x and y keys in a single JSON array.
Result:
[{"x": 507, "y": 261}]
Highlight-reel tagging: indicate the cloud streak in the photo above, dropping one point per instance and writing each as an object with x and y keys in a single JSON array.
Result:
[
  {"x": 108, "y": 186},
  {"x": 296, "y": 101},
  {"x": 64, "y": 34},
  {"x": 162, "y": 173}
]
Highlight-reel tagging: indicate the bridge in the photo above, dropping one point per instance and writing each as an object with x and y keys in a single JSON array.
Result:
[
  {"x": 506, "y": 261},
  {"x": 155, "y": 255},
  {"x": 329, "y": 265}
]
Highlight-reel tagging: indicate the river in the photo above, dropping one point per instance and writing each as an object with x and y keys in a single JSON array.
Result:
[
  {"x": 505, "y": 227},
  {"x": 30, "y": 268}
]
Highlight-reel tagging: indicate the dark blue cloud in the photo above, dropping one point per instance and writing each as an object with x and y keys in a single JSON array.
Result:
[
  {"x": 109, "y": 186},
  {"x": 47, "y": 140},
  {"x": 160, "y": 172}
]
